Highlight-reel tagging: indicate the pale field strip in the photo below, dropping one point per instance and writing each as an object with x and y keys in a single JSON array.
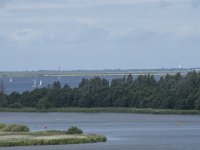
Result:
[{"x": 15, "y": 137}]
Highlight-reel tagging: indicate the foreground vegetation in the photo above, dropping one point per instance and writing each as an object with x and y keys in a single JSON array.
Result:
[
  {"x": 22, "y": 137},
  {"x": 170, "y": 92}
]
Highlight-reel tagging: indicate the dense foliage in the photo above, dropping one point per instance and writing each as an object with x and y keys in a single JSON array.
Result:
[
  {"x": 74, "y": 130},
  {"x": 13, "y": 128},
  {"x": 170, "y": 92}
]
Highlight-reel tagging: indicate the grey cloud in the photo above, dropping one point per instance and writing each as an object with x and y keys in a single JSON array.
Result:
[
  {"x": 121, "y": 32},
  {"x": 4, "y": 2},
  {"x": 164, "y": 4},
  {"x": 195, "y": 3},
  {"x": 140, "y": 35},
  {"x": 75, "y": 33},
  {"x": 24, "y": 35}
]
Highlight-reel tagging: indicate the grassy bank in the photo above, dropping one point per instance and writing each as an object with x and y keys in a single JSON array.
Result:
[
  {"x": 106, "y": 109},
  {"x": 20, "y": 136},
  {"x": 28, "y": 139}
]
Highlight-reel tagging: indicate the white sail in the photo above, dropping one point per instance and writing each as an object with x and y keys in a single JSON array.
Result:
[
  {"x": 34, "y": 83},
  {"x": 11, "y": 80},
  {"x": 40, "y": 84}
]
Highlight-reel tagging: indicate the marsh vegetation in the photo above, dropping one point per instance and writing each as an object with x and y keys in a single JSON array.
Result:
[{"x": 20, "y": 135}]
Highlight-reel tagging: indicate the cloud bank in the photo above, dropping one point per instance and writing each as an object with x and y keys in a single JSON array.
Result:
[{"x": 88, "y": 34}]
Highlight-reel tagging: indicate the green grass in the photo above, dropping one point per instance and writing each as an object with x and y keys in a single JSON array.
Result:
[{"x": 107, "y": 110}]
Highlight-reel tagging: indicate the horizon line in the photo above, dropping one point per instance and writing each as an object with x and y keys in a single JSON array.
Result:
[{"x": 116, "y": 69}]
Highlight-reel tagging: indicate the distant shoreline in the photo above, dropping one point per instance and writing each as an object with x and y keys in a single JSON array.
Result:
[
  {"x": 134, "y": 72},
  {"x": 106, "y": 110}
]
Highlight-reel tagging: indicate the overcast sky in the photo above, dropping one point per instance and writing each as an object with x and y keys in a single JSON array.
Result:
[{"x": 99, "y": 34}]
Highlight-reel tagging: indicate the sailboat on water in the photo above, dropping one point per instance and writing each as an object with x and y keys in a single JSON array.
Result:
[
  {"x": 34, "y": 83},
  {"x": 11, "y": 80},
  {"x": 59, "y": 77},
  {"x": 40, "y": 84}
]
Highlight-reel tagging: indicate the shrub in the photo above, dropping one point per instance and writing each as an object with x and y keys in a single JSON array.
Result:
[
  {"x": 3, "y": 101},
  {"x": 44, "y": 103},
  {"x": 74, "y": 130},
  {"x": 15, "y": 128},
  {"x": 15, "y": 105},
  {"x": 197, "y": 104},
  {"x": 2, "y": 126}
]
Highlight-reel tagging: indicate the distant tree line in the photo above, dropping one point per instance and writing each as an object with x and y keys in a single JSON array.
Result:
[{"x": 170, "y": 92}]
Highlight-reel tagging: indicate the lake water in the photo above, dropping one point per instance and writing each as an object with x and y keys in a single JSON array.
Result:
[
  {"x": 124, "y": 131},
  {"x": 25, "y": 83}
]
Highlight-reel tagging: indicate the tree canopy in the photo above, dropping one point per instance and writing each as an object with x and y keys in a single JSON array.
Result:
[{"x": 170, "y": 92}]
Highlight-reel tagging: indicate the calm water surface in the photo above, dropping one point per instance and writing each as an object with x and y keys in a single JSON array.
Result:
[
  {"x": 124, "y": 131},
  {"x": 26, "y": 83}
]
